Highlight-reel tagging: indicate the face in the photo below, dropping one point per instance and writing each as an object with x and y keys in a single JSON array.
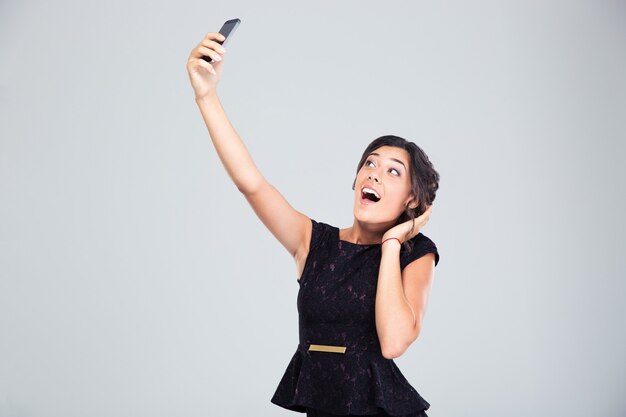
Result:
[{"x": 386, "y": 171}]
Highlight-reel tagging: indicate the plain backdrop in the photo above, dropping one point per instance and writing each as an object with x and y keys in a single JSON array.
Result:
[{"x": 135, "y": 280}]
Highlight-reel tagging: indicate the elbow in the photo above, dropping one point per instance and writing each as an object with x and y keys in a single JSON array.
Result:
[
  {"x": 246, "y": 189},
  {"x": 392, "y": 352},
  {"x": 388, "y": 354},
  {"x": 249, "y": 187},
  {"x": 252, "y": 183},
  {"x": 396, "y": 350}
]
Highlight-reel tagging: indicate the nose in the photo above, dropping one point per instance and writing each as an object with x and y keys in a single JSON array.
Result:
[{"x": 373, "y": 176}]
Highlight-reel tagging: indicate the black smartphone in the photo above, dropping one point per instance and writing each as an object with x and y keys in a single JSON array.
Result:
[{"x": 227, "y": 30}]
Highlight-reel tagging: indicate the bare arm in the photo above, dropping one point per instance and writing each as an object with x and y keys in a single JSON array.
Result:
[
  {"x": 401, "y": 299},
  {"x": 402, "y": 294},
  {"x": 289, "y": 226},
  {"x": 230, "y": 148}
]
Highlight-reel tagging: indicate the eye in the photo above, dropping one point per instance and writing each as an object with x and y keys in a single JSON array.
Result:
[
  {"x": 368, "y": 161},
  {"x": 397, "y": 172}
]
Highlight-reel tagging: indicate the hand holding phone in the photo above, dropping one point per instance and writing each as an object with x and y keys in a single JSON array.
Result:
[
  {"x": 205, "y": 71},
  {"x": 228, "y": 28}
]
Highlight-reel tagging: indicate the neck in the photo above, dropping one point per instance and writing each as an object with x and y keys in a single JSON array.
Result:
[{"x": 362, "y": 236}]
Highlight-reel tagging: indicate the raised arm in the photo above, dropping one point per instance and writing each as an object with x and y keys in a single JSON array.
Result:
[{"x": 289, "y": 226}]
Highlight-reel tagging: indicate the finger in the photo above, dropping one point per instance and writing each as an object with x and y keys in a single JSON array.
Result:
[
  {"x": 203, "y": 50},
  {"x": 215, "y": 35},
  {"x": 213, "y": 45},
  {"x": 209, "y": 67}
]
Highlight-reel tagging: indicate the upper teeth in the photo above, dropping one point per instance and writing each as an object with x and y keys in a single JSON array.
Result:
[{"x": 369, "y": 190}]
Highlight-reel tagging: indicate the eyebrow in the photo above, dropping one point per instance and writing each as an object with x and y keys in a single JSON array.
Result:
[{"x": 393, "y": 159}]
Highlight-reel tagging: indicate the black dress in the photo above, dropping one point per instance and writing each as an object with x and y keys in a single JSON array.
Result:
[{"x": 335, "y": 304}]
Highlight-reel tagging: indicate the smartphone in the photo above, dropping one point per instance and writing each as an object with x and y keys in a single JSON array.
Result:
[{"x": 227, "y": 30}]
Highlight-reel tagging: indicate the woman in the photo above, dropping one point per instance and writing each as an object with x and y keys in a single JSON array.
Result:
[{"x": 363, "y": 289}]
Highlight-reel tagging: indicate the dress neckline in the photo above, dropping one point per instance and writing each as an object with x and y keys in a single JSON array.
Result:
[{"x": 354, "y": 244}]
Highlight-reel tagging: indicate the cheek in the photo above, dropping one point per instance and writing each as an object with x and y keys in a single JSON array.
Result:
[
  {"x": 397, "y": 194},
  {"x": 360, "y": 177}
]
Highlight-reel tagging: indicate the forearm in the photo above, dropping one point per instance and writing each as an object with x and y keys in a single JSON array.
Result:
[
  {"x": 229, "y": 146},
  {"x": 395, "y": 318}
]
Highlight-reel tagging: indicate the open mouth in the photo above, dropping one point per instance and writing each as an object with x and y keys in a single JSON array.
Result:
[{"x": 370, "y": 195}]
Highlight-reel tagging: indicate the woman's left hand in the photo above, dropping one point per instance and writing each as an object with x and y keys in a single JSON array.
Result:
[{"x": 399, "y": 232}]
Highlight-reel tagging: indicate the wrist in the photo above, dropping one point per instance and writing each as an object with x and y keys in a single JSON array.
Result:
[
  {"x": 391, "y": 241},
  {"x": 208, "y": 96}
]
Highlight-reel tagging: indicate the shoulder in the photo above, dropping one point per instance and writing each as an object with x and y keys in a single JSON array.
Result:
[
  {"x": 423, "y": 240},
  {"x": 321, "y": 227},
  {"x": 422, "y": 245},
  {"x": 318, "y": 235},
  {"x": 320, "y": 231}
]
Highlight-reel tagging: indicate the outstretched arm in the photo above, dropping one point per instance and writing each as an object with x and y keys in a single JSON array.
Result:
[
  {"x": 231, "y": 150},
  {"x": 289, "y": 226}
]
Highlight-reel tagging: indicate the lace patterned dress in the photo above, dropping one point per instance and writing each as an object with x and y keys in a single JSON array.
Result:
[{"x": 335, "y": 303}]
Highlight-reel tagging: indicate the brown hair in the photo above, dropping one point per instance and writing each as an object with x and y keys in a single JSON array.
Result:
[{"x": 424, "y": 178}]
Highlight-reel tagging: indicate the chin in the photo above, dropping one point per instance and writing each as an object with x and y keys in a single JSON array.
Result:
[{"x": 365, "y": 215}]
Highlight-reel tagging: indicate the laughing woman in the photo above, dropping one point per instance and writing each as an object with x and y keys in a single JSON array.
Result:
[{"x": 363, "y": 289}]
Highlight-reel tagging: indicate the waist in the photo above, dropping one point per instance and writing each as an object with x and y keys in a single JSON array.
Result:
[{"x": 339, "y": 338}]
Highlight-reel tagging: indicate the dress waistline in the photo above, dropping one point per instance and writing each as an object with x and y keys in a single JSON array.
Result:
[
  {"x": 342, "y": 338},
  {"x": 327, "y": 348}
]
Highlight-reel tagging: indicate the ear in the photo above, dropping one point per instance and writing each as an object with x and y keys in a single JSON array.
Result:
[{"x": 411, "y": 202}]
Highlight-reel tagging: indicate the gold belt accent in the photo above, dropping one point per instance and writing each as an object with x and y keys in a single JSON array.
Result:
[{"x": 328, "y": 348}]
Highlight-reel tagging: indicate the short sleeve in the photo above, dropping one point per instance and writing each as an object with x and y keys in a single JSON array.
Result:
[
  {"x": 421, "y": 246},
  {"x": 317, "y": 235},
  {"x": 318, "y": 230}
]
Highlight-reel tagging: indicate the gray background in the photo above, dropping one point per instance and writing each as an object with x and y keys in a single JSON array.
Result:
[{"x": 136, "y": 280}]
